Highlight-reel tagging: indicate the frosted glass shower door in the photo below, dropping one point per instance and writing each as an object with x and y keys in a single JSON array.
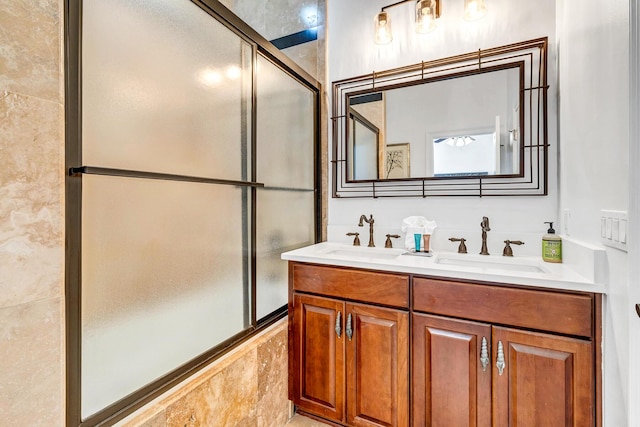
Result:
[
  {"x": 285, "y": 160},
  {"x": 165, "y": 239},
  {"x": 166, "y": 88},
  {"x": 163, "y": 274}
]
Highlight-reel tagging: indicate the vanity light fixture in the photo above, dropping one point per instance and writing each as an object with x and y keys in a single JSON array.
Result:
[
  {"x": 474, "y": 9},
  {"x": 427, "y": 13},
  {"x": 383, "y": 28}
]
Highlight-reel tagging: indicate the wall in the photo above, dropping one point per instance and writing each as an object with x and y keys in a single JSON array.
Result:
[
  {"x": 634, "y": 207},
  {"x": 594, "y": 144},
  {"x": 352, "y": 52},
  {"x": 31, "y": 213}
]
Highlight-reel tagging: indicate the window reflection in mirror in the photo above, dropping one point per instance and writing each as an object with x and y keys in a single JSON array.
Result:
[
  {"x": 465, "y": 155},
  {"x": 466, "y": 125},
  {"x": 365, "y": 148}
]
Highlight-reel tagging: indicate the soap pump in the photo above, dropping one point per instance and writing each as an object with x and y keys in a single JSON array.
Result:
[{"x": 551, "y": 245}]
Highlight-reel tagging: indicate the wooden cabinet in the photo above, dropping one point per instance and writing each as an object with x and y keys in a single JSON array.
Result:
[
  {"x": 377, "y": 367},
  {"x": 318, "y": 367},
  {"x": 450, "y": 385},
  {"x": 350, "y": 359},
  {"x": 463, "y": 354},
  {"x": 545, "y": 380},
  {"x": 476, "y": 373}
]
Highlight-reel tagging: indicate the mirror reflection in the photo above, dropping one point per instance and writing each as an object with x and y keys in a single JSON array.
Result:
[{"x": 466, "y": 125}]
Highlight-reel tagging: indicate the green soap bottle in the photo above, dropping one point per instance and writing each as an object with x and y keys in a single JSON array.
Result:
[{"x": 551, "y": 245}]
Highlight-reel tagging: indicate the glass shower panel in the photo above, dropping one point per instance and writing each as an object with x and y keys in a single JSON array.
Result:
[
  {"x": 165, "y": 88},
  {"x": 164, "y": 279},
  {"x": 285, "y": 124},
  {"x": 285, "y": 221}
]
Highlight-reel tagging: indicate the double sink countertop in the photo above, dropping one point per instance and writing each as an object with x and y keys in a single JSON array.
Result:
[{"x": 583, "y": 272}]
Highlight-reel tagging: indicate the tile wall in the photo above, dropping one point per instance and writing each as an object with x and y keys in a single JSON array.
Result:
[{"x": 31, "y": 213}]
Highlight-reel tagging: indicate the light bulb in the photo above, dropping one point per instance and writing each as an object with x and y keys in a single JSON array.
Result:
[
  {"x": 474, "y": 9},
  {"x": 425, "y": 16},
  {"x": 383, "y": 28}
]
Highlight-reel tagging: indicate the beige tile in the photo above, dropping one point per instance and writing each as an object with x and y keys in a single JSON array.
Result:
[
  {"x": 227, "y": 399},
  {"x": 31, "y": 236},
  {"x": 302, "y": 421},
  {"x": 30, "y": 47},
  {"x": 31, "y": 377},
  {"x": 284, "y": 17},
  {"x": 251, "y": 12},
  {"x": 306, "y": 56},
  {"x": 158, "y": 420},
  {"x": 273, "y": 403}
]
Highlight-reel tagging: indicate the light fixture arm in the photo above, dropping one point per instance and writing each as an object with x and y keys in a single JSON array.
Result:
[{"x": 395, "y": 4}]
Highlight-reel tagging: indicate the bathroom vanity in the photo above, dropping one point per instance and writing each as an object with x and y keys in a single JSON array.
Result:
[{"x": 378, "y": 338}]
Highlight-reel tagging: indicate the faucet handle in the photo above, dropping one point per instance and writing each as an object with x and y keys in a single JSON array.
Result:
[
  {"x": 388, "y": 243},
  {"x": 507, "y": 246},
  {"x": 356, "y": 240},
  {"x": 462, "y": 248}
]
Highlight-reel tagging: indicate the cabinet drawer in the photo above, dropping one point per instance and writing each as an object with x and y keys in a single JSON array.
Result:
[
  {"x": 378, "y": 288},
  {"x": 562, "y": 313}
]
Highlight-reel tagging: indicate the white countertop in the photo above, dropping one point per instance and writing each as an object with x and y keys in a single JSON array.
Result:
[{"x": 523, "y": 270}]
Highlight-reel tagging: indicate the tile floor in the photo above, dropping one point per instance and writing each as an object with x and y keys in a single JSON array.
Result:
[{"x": 300, "y": 421}]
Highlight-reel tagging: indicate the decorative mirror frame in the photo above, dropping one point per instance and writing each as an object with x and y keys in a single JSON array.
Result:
[{"x": 532, "y": 177}]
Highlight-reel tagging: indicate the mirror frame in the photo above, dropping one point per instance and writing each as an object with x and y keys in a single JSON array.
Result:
[{"x": 531, "y": 179}]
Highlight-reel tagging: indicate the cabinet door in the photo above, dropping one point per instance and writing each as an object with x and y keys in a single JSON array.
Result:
[
  {"x": 318, "y": 371},
  {"x": 547, "y": 380},
  {"x": 377, "y": 366},
  {"x": 451, "y": 375}
]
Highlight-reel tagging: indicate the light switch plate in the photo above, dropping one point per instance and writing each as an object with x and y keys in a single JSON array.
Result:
[
  {"x": 566, "y": 220},
  {"x": 613, "y": 229}
]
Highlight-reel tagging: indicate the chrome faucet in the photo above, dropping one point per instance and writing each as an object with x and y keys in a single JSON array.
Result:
[
  {"x": 370, "y": 222},
  {"x": 485, "y": 227}
]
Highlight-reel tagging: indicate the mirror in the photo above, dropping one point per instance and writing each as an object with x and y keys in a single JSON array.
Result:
[
  {"x": 462, "y": 126},
  {"x": 471, "y": 124}
]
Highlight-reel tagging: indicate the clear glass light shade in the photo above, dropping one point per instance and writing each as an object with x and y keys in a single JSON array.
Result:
[
  {"x": 474, "y": 9},
  {"x": 425, "y": 16},
  {"x": 383, "y": 28}
]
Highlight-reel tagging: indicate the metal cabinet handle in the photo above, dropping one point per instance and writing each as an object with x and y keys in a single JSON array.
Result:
[
  {"x": 500, "y": 363},
  {"x": 484, "y": 354},
  {"x": 339, "y": 324},
  {"x": 348, "y": 329}
]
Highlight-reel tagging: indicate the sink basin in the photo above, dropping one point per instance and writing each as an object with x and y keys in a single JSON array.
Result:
[
  {"x": 491, "y": 263},
  {"x": 366, "y": 253}
]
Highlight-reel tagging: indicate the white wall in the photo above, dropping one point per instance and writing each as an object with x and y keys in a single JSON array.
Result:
[
  {"x": 593, "y": 42},
  {"x": 352, "y": 52},
  {"x": 634, "y": 209}
]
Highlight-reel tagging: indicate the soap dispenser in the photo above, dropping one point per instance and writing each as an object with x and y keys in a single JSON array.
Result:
[{"x": 551, "y": 245}]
